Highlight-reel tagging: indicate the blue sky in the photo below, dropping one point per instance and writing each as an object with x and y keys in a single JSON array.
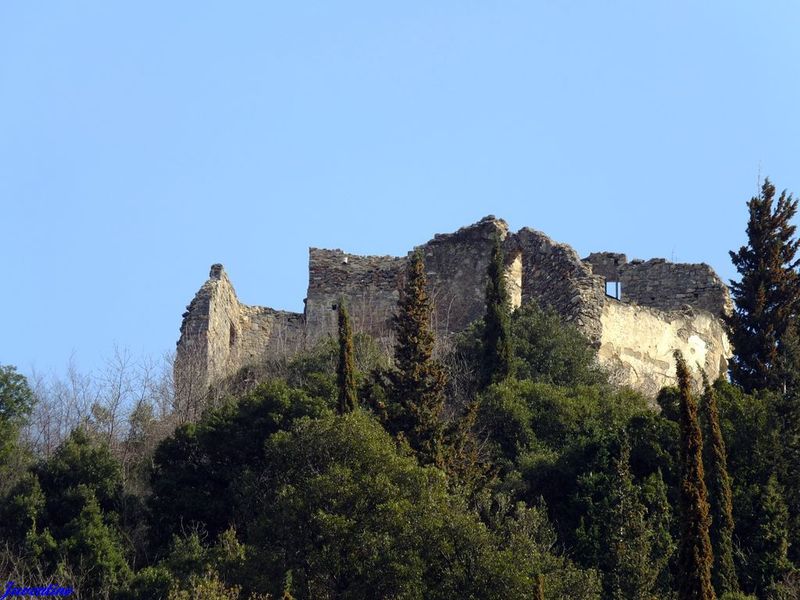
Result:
[{"x": 141, "y": 142}]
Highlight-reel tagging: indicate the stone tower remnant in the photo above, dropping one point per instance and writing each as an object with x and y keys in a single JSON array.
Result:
[{"x": 662, "y": 306}]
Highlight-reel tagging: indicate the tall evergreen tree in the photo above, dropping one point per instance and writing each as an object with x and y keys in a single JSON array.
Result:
[
  {"x": 625, "y": 529},
  {"x": 695, "y": 557},
  {"x": 771, "y": 544},
  {"x": 465, "y": 463},
  {"x": 497, "y": 355},
  {"x": 629, "y": 570},
  {"x": 720, "y": 496},
  {"x": 785, "y": 422},
  {"x": 785, "y": 425},
  {"x": 659, "y": 521},
  {"x": 346, "y": 369},
  {"x": 418, "y": 380},
  {"x": 768, "y": 295}
]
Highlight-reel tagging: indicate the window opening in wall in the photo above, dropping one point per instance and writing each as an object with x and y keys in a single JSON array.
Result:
[{"x": 614, "y": 289}]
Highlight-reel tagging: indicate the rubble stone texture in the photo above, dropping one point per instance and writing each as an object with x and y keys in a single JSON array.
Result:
[{"x": 663, "y": 306}]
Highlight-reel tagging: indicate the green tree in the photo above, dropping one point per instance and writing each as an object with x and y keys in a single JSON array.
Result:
[
  {"x": 771, "y": 538},
  {"x": 618, "y": 532},
  {"x": 767, "y": 296},
  {"x": 747, "y": 423},
  {"x": 497, "y": 356},
  {"x": 789, "y": 360},
  {"x": 351, "y": 517},
  {"x": 16, "y": 402},
  {"x": 785, "y": 426},
  {"x": 695, "y": 555},
  {"x": 720, "y": 495},
  {"x": 150, "y": 582},
  {"x": 66, "y": 516},
  {"x": 418, "y": 380},
  {"x": 201, "y": 474},
  {"x": 94, "y": 548},
  {"x": 530, "y": 540},
  {"x": 628, "y": 570},
  {"x": 80, "y": 461},
  {"x": 659, "y": 520},
  {"x": 550, "y": 351},
  {"x": 346, "y": 369},
  {"x": 209, "y": 586},
  {"x": 545, "y": 349},
  {"x": 16, "y": 397}
]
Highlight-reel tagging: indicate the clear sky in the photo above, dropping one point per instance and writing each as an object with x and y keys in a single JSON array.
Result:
[{"x": 142, "y": 141}]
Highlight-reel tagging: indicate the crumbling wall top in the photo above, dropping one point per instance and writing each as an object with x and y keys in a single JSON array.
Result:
[
  {"x": 662, "y": 284},
  {"x": 607, "y": 264},
  {"x": 217, "y": 271},
  {"x": 483, "y": 230}
]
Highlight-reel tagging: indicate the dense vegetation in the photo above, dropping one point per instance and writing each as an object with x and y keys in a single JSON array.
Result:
[{"x": 499, "y": 464}]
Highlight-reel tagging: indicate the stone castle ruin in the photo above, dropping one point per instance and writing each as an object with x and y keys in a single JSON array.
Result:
[{"x": 635, "y": 312}]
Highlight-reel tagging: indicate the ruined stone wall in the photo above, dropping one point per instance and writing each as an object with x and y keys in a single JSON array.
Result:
[
  {"x": 219, "y": 335},
  {"x": 637, "y": 344},
  {"x": 554, "y": 276},
  {"x": 664, "y": 306},
  {"x": 607, "y": 264},
  {"x": 456, "y": 266},
  {"x": 368, "y": 284},
  {"x": 662, "y": 284}
]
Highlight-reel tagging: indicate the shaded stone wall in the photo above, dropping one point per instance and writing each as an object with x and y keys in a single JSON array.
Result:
[
  {"x": 456, "y": 265},
  {"x": 554, "y": 276},
  {"x": 662, "y": 284},
  {"x": 368, "y": 284}
]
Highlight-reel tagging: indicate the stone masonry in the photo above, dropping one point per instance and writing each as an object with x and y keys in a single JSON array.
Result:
[
  {"x": 663, "y": 306},
  {"x": 663, "y": 284}
]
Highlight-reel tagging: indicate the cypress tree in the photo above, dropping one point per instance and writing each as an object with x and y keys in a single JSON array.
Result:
[
  {"x": 768, "y": 295},
  {"x": 659, "y": 521},
  {"x": 464, "y": 462},
  {"x": 629, "y": 570},
  {"x": 771, "y": 544},
  {"x": 418, "y": 380},
  {"x": 720, "y": 496},
  {"x": 346, "y": 369},
  {"x": 695, "y": 557},
  {"x": 496, "y": 363},
  {"x": 785, "y": 422}
]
